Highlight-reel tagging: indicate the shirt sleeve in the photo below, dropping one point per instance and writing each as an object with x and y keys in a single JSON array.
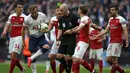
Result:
[
  {"x": 60, "y": 24},
  {"x": 123, "y": 22},
  {"x": 51, "y": 21},
  {"x": 46, "y": 20},
  {"x": 85, "y": 20}
]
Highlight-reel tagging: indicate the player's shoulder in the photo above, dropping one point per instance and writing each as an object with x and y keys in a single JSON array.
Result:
[
  {"x": 13, "y": 14},
  {"x": 23, "y": 15},
  {"x": 73, "y": 15},
  {"x": 84, "y": 18},
  {"x": 53, "y": 18},
  {"x": 41, "y": 14},
  {"x": 120, "y": 17}
]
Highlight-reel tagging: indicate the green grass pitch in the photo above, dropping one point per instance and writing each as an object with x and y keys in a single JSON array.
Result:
[{"x": 4, "y": 68}]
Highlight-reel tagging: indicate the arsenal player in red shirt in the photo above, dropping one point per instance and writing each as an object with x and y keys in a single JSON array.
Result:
[
  {"x": 116, "y": 27},
  {"x": 15, "y": 24}
]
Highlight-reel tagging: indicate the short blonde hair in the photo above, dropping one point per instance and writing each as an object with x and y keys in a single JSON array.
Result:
[{"x": 32, "y": 8}]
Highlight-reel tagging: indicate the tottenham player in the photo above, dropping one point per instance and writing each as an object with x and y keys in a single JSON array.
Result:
[
  {"x": 15, "y": 24},
  {"x": 37, "y": 38},
  {"x": 116, "y": 26}
]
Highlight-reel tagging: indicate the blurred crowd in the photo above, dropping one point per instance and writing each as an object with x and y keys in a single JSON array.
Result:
[{"x": 98, "y": 9}]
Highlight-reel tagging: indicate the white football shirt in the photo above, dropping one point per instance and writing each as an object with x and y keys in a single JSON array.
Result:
[{"x": 33, "y": 24}]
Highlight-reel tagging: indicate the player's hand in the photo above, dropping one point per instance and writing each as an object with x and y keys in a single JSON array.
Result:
[
  {"x": 94, "y": 37},
  {"x": 46, "y": 46},
  {"x": 127, "y": 44},
  {"x": 58, "y": 43},
  {"x": 100, "y": 40},
  {"x": 68, "y": 32},
  {"x": 44, "y": 31},
  {"x": 3, "y": 34}
]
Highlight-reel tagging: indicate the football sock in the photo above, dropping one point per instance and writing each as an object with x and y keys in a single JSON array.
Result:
[
  {"x": 53, "y": 66},
  {"x": 38, "y": 53},
  {"x": 113, "y": 70},
  {"x": 85, "y": 65},
  {"x": 118, "y": 68},
  {"x": 100, "y": 65},
  {"x": 34, "y": 67},
  {"x": 76, "y": 67},
  {"x": 12, "y": 65},
  {"x": 61, "y": 68},
  {"x": 63, "y": 62},
  {"x": 47, "y": 65},
  {"x": 69, "y": 65},
  {"x": 19, "y": 65},
  {"x": 92, "y": 63}
]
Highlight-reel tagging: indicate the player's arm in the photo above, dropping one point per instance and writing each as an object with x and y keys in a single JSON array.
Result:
[
  {"x": 71, "y": 31},
  {"x": 60, "y": 30},
  {"x": 7, "y": 28},
  {"x": 96, "y": 27},
  {"x": 83, "y": 23},
  {"x": 104, "y": 32},
  {"x": 125, "y": 31},
  {"x": 59, "y": 34},
  {"x": 24, "y": 28},
  {"x": 50, "y": 26}
]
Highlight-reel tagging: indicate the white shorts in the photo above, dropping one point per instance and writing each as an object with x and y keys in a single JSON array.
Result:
[
  {"x": 54, "y": 48},
  {"x": 114, "y": 49},
  {"x": 15, "y": 44},
  {"x": 80, "y": 49},
  {"x": 97, "y": 53}
]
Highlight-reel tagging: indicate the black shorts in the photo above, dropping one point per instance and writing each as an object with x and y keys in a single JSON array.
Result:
[{"x": 67, "y": 49}]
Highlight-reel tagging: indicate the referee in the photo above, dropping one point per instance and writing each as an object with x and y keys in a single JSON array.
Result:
[{"x": 67, "y": 22}]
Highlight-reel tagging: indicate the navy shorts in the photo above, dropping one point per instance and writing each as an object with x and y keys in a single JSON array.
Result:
[{"x": 36, "y": 43}]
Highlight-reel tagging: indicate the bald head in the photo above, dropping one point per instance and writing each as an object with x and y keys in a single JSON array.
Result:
[
  {"x": 64, "y": 9},
  {"x": 64, "y": 6}
]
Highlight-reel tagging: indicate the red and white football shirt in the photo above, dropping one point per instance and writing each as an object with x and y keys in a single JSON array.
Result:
[
  {"x": 16, "y": 24},
  {"x": 54, "y": 31},
  {"x": 94, "y": 43},
  {"x": 84, "y": 32},
  {"x": 116, "y": 29}
]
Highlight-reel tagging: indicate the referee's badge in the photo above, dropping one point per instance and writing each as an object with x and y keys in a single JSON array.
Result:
[{"x": 63, "y": 24}]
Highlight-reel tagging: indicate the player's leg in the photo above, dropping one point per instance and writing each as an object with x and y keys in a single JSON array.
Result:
[
  {"x": 79, "y": 53},
  {"x": 116, "y": 53},
  {"x": 33, "y": 49},
  {"x": 15, "y": 49},
  {"x": 42, "y": 43},
  {"x": 61, "y": 55},
  {"x": 52, "y": 56},
  {"x": 99, "y": 54},
  {"x": 109, "y": 54},
  {"x": 116, "y": 66},
  {"x": 92, "y": 57},
  {"x": 70, "y": 51},
  {"x": 61, "y": 68},
  {"x": 47, "y": 66},
  {"x": 34, "y": 66},
  {"x": 75, "y": 66}
]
